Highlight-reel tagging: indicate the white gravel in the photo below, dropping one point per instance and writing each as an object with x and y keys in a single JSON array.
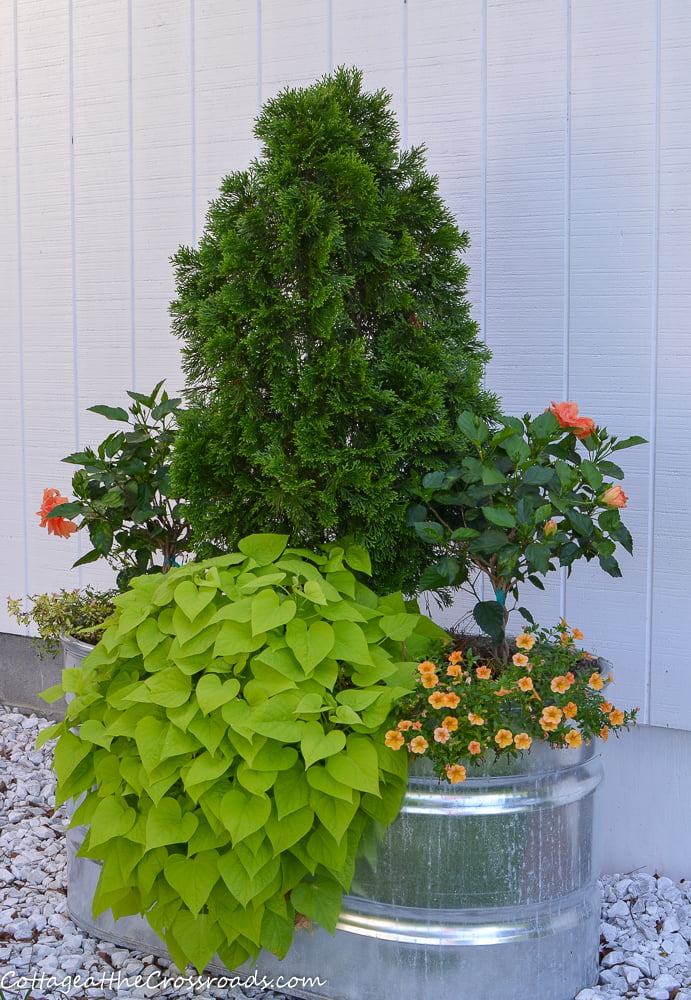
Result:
[{"x": 646, "y": 919}]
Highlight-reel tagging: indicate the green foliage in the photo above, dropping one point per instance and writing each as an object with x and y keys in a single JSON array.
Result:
[
  {"x": 123, "y": 493},
  {"x": 227, "y": 733},
  {"x": 521, "y": 503},
  {"x": 79, "y": 613},
  {"x": 327, "y": 338}
]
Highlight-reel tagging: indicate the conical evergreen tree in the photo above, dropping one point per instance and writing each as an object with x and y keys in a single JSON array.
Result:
[{"x": 327, "y": 339}]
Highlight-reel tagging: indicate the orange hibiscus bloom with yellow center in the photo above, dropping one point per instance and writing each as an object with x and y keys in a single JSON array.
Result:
[
  {"x": 475, "y": 720},
  {"x": 455, "y": 773},
  {"x": 474, "y": 747},
  {"x": 418, "y": 744},
  {"x": 59, "y": 526},
  {"x": 522, "y": 741},
  {"x": 503, "y": 738},
  {"x": 595, "y": 681},
  {"x": 484, "y": 673},
  {"x": 525, "y": 641},
  {"x": 573, "y": 738},
  {"x": 394, "y": 739}
]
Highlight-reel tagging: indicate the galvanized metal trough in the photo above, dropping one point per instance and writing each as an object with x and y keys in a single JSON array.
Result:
[{"x": 486, "y": 890}]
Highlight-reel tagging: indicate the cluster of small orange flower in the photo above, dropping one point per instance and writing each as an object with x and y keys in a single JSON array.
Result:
[{"x": 544, "y": 693}]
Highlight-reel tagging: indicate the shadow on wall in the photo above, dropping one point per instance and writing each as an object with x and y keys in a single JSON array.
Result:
[{"x": 23, "y": 674}]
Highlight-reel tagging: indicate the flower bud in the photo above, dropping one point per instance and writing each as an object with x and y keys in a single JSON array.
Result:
[{"x": 550, "y": 528}]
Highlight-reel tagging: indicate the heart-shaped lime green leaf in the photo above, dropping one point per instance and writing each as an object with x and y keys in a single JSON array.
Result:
[
  {"x": 316, "y": 744},
  {"x": 191, "y": 599},
  {"x": 398, "y": 627},
  {"x": 263, "y": 548},
  {"x": 149, "y": 736},
  {"x": 193, "y": 878},
  {"x": 111, "y": 818},
  {"x": 212, "y": 692},
  {"x": 243, "y": 813},
  {"x": 320, "y": 901},
  {"x": 288, "y": 831},
  {"x": 318, "y": 777},
  {"x": 237, "y": 637},
  {"x": 291, "y": 791},
  {"x": 269, "y": 612},
  {"x": 203, "y": 768},
  {"x": 350, "y": 643},
  {"x": 309, "y": 644},
  {"x": 165, "y": 824},
  {"x": 200, "y": 937},
  {"x": 357, "y": 765}
]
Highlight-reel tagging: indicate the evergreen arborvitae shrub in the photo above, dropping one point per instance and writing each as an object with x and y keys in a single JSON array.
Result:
[{"x": 328, "y": 345}]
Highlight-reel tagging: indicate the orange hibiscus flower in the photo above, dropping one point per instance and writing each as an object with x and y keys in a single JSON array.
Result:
[
  {"x": 567, "y": 415},
  {"x": 59, "y": 526}
]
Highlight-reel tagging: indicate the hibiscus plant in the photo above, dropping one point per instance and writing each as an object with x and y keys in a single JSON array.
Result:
[
  {"x": 529, "y": 496},
  {"x": 122, "y": 491}
]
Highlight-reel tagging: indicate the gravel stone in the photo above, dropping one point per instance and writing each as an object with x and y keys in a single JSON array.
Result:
[{"x": 646, "y": 919}]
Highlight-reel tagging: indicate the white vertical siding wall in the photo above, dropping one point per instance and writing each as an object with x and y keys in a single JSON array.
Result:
[{"x": 560, "y": 133}]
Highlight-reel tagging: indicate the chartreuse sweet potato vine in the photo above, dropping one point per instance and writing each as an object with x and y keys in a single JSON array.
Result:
[{"x": 228, "y": 736}]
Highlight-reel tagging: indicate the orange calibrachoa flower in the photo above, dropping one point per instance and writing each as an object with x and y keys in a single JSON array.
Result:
[
  {"x": 59, "y": 526},
  {"x": 567, "y": 415},
  {"x": 525, "y": 684},
  {"x": 562, "y": 683},
  {"x": 615, "y": 497},
  {"x": 417, "y": 726},
  {"x": 454, "y": 670},
  {"x": 570, "y": 710},
  {"x": 596, "y": 682},
  {"x": 577, "y": 634},
  {"x": 404, "y": 725},
  {"x": 427, "y": 667},
  {"x": 474, "y": 747},
  {"x": 437, "y": 699},
  {"x": 573, "y": 738},
  {"x": 522, "y": 741},
  {"x": 606, "y": 707},
  {"x": 604, "y": 734},
  {"x": 616, "y": 717},
  {"x": 455, "y": 773},
  {"x": 550, "y": 718},
  {"x": 525, "y": 641},
  {"x": 503, "y": 738},
  {"x": 484, "y": 673},
  {"x": 418, "y": 744},
  {"x": 475, "y": 720},
  {"x": 429, "y": 680},
  {"x": 456, "y": 656},
  {"x": 451, "y": 700},
  {"x": 520, "y": 660},
  {"x": 394, "y": 739},
  {"x": 442, "y": 734},
  {"x": 450, "y": 723},
  {"x": 502, "y": 692}
]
